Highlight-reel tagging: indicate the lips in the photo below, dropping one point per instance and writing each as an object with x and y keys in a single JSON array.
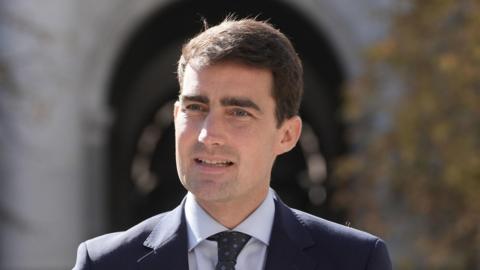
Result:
[{"x": 214, "y": 162}]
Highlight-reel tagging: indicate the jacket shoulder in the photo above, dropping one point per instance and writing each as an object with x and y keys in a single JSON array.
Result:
[
  {"x": 347, "y": 246},
  {"x": 118, "y": 248},
  {"x": 317, "y": 225}
]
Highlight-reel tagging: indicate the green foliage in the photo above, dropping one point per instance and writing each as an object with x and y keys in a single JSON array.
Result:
[{"x": 425, "y": 161}]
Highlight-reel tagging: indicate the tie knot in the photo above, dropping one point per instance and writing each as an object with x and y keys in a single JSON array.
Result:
[
  {"x": 230, "y": 243},
  {"x": 230, "y": 236}
]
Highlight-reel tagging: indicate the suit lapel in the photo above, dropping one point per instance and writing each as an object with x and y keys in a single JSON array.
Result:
[
  {"x": 288, "y": 241},
  {"x": 168, "y": 243}
]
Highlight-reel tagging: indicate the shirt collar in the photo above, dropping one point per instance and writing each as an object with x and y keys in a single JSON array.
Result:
[{"x": 201, "y": 225}]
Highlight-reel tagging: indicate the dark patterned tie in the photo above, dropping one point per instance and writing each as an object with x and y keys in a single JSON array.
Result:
[{"x": 230, "y": 243}]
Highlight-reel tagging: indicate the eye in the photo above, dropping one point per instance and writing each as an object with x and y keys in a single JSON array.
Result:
[
  {"x": 239, "y": 113},
  {"x": 194, "y": 107}
]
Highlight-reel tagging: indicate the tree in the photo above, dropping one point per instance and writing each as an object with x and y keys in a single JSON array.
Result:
[{"x": 415, "y": 118}]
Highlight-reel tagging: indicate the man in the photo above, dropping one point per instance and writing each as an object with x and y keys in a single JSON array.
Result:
[{"x": 240, "y": 90}]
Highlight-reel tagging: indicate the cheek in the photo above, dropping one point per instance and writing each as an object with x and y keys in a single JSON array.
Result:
[
  {"x": 182, "y": 137},
  {"x": 257, "y": 147},
  {"x": 184, "y": 128},
  {"x": 180, "y": 122}
]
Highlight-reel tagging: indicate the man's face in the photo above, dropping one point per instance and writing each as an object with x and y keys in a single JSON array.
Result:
[{"x": 226, "y": 133}]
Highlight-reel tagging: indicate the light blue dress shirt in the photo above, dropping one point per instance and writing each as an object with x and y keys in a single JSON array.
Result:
[{"x": 202, "y": 253}]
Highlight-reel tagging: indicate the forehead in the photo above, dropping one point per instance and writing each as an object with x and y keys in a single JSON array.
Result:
[{"x": 227, "y": 79}]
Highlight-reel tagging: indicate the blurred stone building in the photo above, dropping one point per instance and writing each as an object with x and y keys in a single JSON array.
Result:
[{"x": 86, "y": 87}]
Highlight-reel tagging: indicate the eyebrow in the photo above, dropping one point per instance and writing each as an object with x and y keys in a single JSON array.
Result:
[
  {"x": 240, "y": 102},
  {"x": 227, "y": 101},
  {"x": 200, "y": 99}
]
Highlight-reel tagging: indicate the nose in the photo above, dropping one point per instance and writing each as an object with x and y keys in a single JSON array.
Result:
[{"x": 212, "y": 132}]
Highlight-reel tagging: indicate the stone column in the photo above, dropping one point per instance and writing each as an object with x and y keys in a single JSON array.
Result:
[{"x": 41, "y": 155}]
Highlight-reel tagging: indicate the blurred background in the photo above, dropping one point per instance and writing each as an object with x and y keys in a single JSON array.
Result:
[{"x": 391, "y": 113}]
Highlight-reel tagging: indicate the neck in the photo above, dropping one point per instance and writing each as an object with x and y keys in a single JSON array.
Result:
[{"x": 231, "y": 213}]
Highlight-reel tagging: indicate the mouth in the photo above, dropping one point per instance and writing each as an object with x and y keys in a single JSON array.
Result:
[{"x": 213, "y": 162}]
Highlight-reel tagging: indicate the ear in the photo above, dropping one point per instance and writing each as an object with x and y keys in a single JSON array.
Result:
[
  {"x": 290, "y": 131},
  {"x": 176, "y": 107}
]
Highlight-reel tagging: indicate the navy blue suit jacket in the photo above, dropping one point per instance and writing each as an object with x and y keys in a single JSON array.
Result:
[{"x": 299, "y": 241}]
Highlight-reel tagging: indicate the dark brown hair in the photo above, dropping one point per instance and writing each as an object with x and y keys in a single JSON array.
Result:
[{"x": 254, "y": 43}]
